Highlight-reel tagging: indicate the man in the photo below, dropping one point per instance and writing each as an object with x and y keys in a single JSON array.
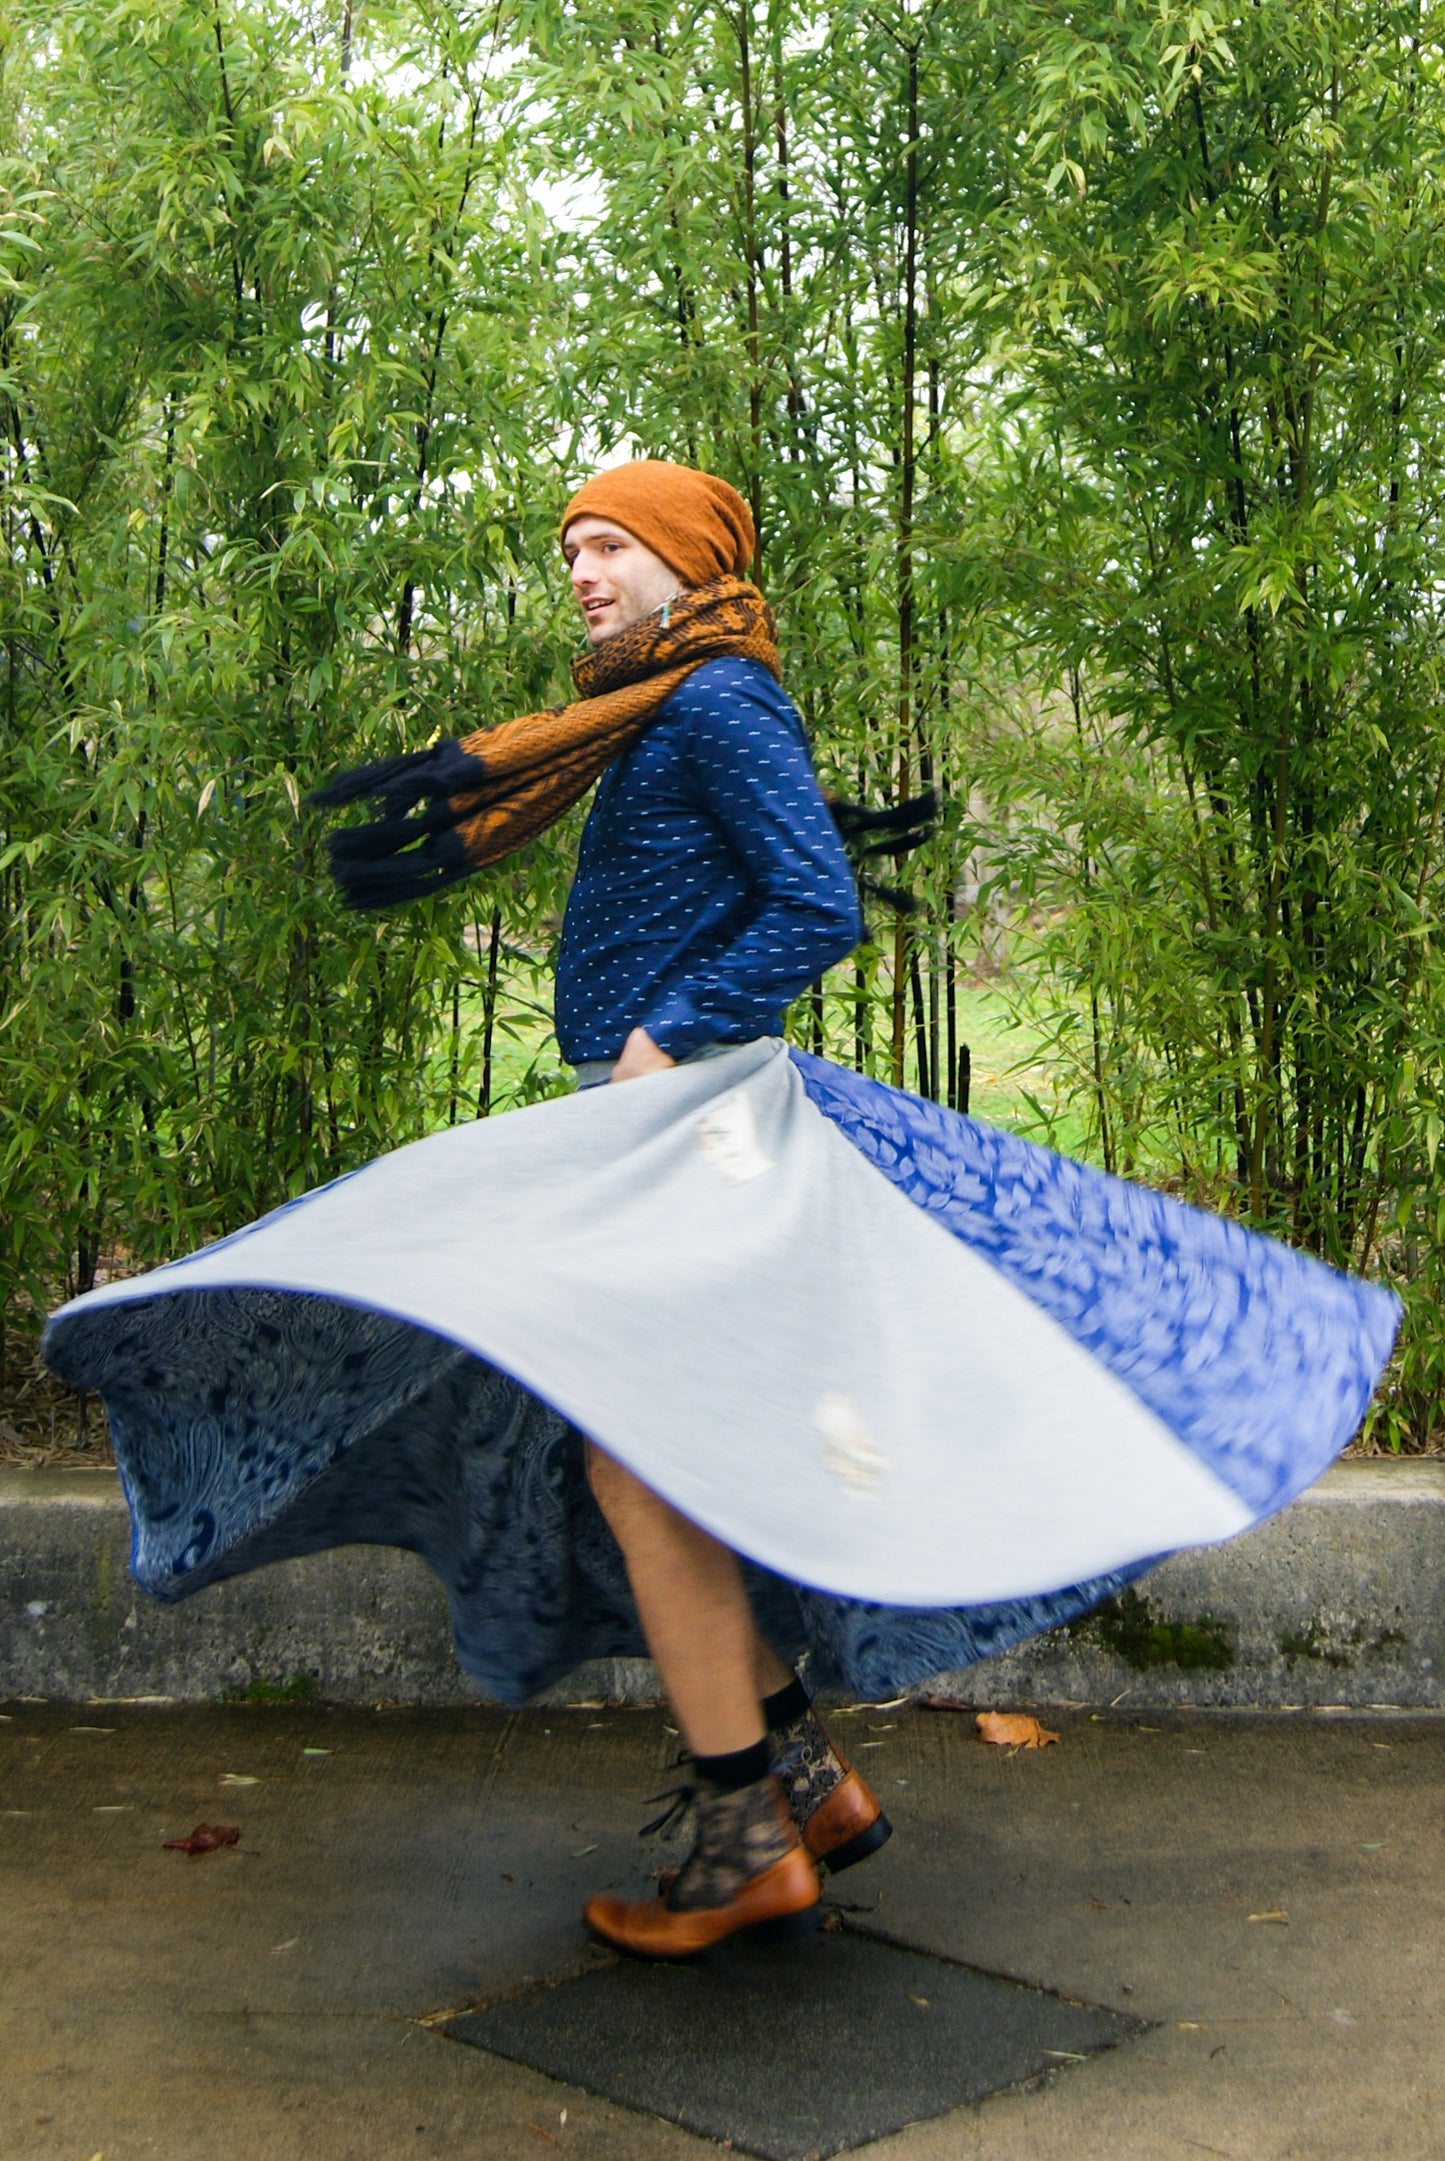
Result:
[
  {"x": 994, "y": 1385},
  {"x": 711, "y": 888}
]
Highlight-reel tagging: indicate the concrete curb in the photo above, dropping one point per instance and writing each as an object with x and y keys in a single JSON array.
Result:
[{"x": 1340, "y": 1600}]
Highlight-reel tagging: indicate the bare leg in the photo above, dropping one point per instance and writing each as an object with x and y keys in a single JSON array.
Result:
[
  {"x": 694, "y": 1612},
  {"x": 769, "y": 1672},
  {"x": 749, "y": 1867}
]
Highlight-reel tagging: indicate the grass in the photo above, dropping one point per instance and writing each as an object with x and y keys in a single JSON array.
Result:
[
  {"x": 1012, "y": 1083},
  {"x": 1011, "y": 1078}
]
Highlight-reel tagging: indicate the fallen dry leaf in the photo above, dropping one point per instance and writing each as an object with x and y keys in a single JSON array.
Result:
[
  {"x": 1012, "y": 1729},
  {"x": 206, "y": 1838}
]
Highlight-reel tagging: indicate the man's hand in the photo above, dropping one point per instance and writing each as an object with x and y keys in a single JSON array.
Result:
[{"x": 640, "y": 1055}]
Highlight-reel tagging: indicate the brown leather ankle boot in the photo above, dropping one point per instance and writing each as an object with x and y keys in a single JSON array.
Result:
[
  {"x": 841, "y": 1820},
  {"x": 748, "y": 1872}
]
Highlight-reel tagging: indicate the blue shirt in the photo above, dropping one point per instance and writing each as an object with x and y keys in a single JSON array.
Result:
[{"x": 711, "y": 883}]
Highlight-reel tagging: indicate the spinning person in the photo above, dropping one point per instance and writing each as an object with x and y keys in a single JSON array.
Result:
[
  {"x": 712, "y": 887},
  {"x": 856, "y": 1374}
]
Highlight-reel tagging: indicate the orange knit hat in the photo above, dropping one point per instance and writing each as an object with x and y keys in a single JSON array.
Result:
[{"x": 699, "y": 525}]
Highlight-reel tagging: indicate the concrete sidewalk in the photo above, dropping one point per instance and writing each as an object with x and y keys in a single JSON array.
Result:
[{"x": 266, "y": 2002}]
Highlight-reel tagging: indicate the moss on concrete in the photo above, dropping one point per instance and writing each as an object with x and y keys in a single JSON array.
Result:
[
  {"x": 1127, "y": 1627},
  {"x": 1312, "y": 1642},
  {"x": 300, "y": 1688},
  {"x": 1329, "y": 1647}
]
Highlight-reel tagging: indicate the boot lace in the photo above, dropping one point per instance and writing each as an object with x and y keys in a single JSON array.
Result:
[{"x": 679, "y": 1799}]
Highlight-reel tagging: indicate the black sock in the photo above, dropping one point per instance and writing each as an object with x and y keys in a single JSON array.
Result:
[
  {"x": 740, "y": 1767},
  {"x": 788, "y": 1704}
]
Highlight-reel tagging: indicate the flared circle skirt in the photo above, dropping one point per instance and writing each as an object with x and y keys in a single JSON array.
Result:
[{"x": 940, "y": 1387}]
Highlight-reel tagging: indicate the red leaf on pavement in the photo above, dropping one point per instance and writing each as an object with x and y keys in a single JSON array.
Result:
[{"x": 205, "y": 1838}]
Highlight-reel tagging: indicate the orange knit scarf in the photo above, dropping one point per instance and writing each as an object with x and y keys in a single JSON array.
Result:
[
  {"x": 494, "y": 790},
  {"x": 538, "y": 766}
]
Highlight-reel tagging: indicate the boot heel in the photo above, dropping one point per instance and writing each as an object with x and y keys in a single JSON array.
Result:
[
  {"x": 785, "y": 1927},
  {"x": 860, "y": 1846}
]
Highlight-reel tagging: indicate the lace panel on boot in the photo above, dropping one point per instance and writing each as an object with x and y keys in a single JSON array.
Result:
[
  {"x": 738, "y": 1836},
  {"x": 807, "y": 1763}
]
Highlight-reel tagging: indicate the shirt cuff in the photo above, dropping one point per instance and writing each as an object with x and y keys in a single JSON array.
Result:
[{"x": 677, "y": 1027}]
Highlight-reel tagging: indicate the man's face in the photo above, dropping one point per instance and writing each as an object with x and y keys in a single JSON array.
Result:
[{"x": 616, "y": 579}]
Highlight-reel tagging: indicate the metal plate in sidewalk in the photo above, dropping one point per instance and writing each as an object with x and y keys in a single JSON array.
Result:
[{"x": 798, "y": 2051}]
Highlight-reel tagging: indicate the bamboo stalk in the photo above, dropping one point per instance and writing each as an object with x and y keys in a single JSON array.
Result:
[
  {"x": 489, "y": 1014},
  {"x": 904, "y": 544}
]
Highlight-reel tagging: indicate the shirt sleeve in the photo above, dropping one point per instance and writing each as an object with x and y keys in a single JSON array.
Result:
[{"x": 749, "y": 758}]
